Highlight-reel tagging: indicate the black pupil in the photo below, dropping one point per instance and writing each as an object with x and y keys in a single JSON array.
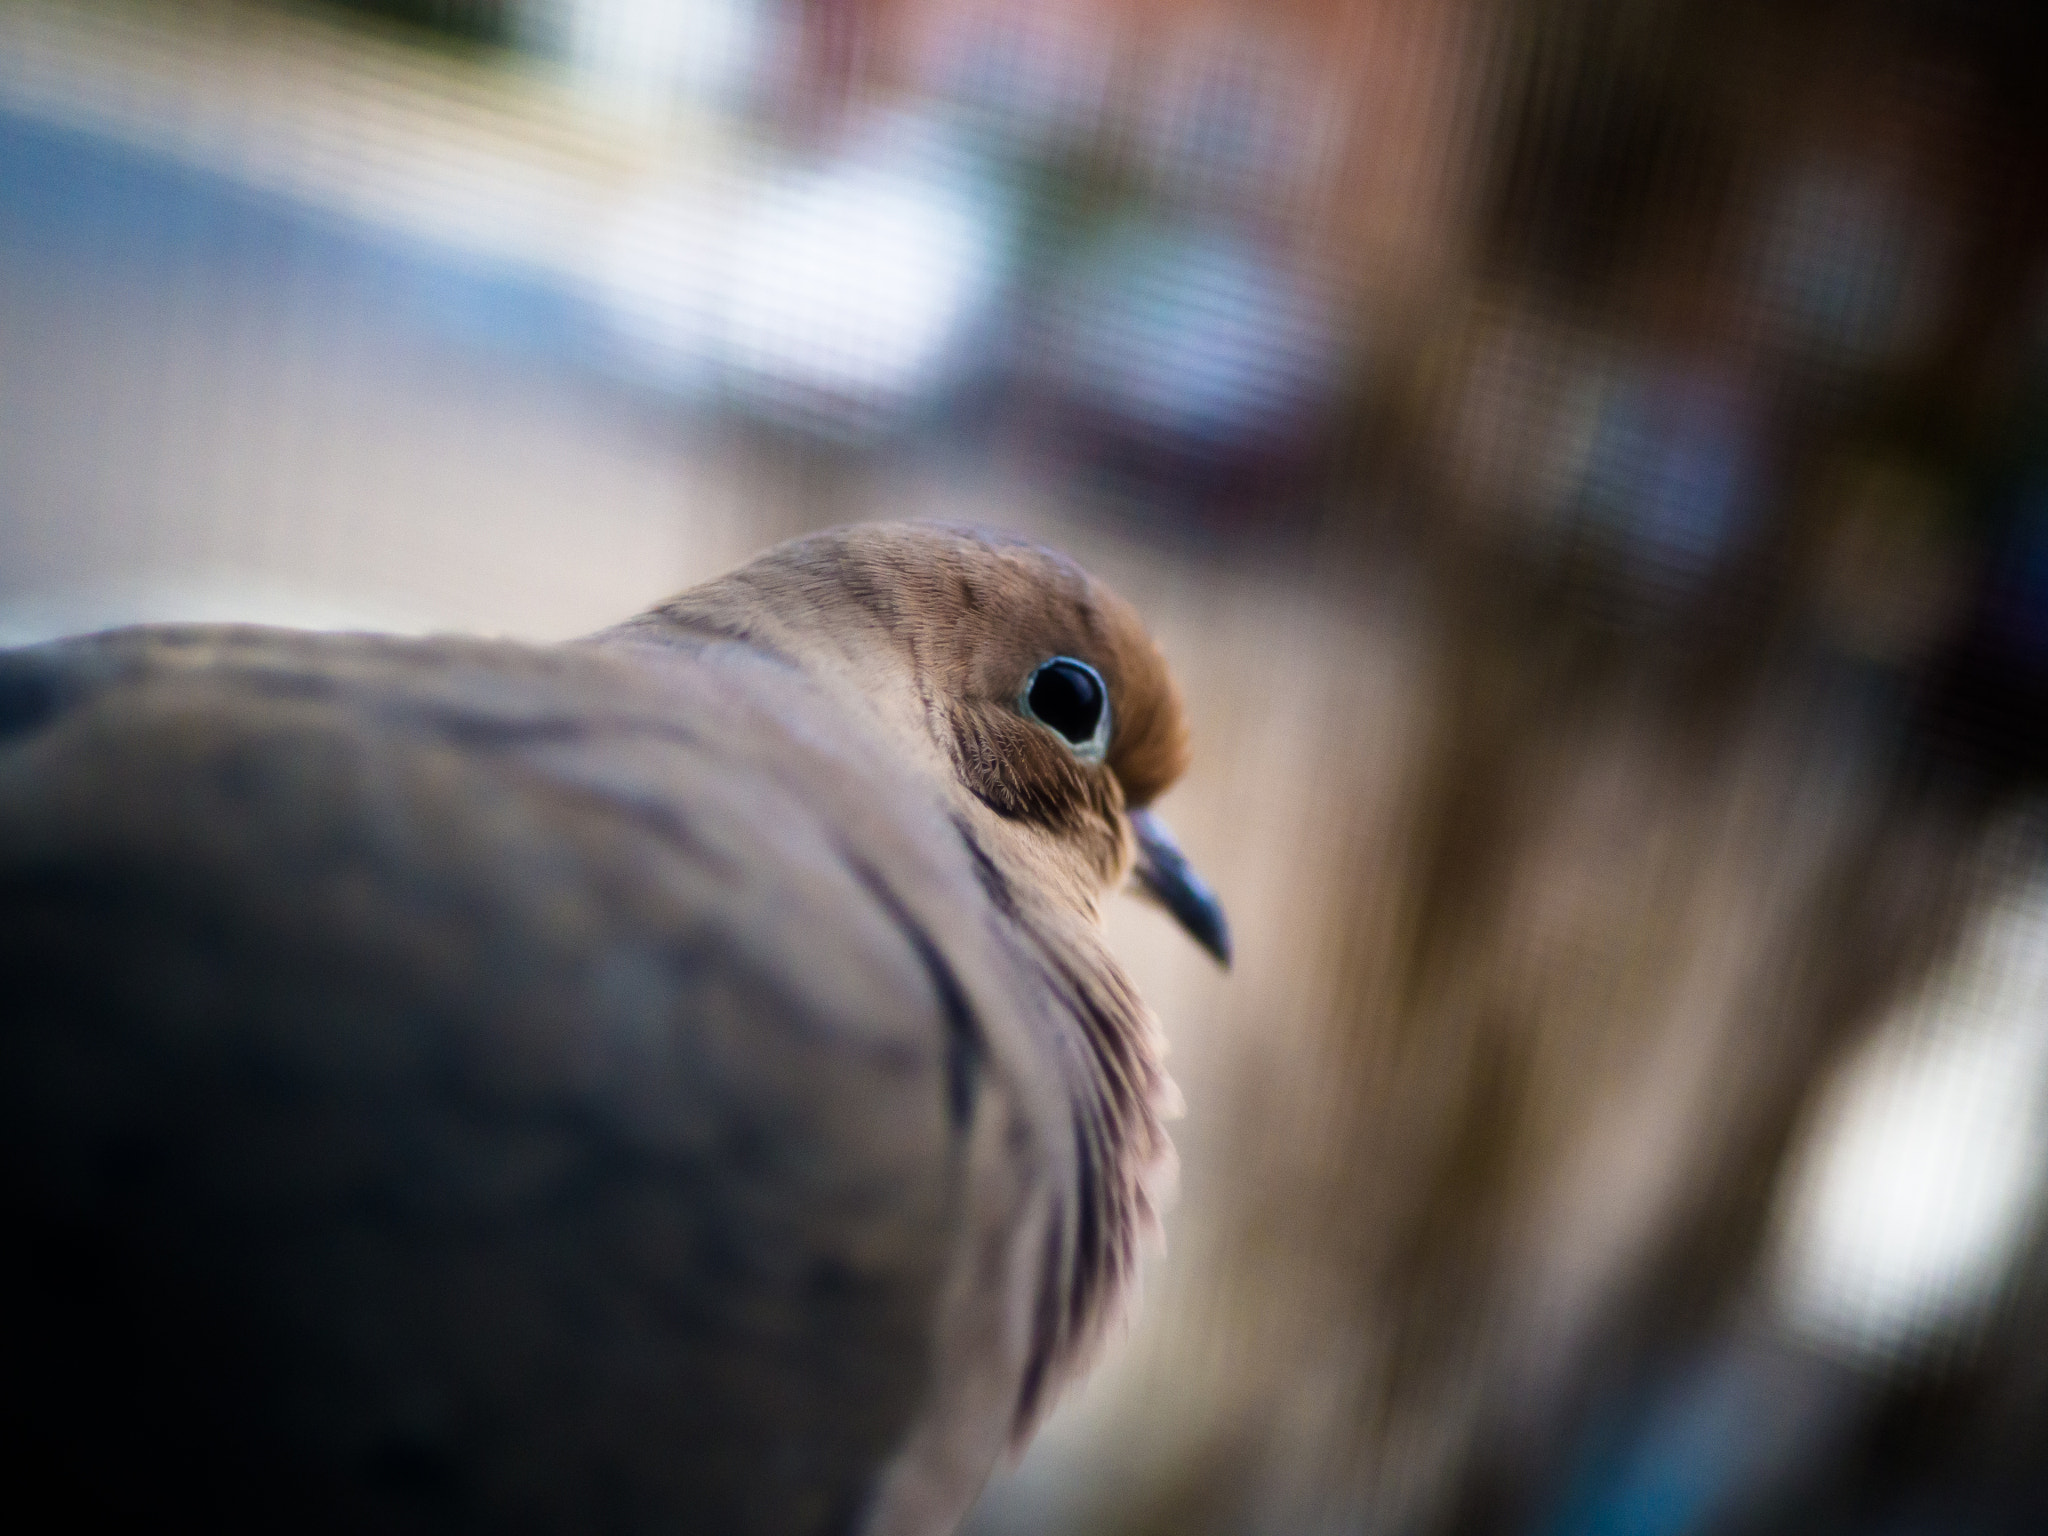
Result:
[{"x": 1069, "y": 699}]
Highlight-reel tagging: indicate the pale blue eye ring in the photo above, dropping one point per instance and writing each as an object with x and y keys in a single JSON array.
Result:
[{"x": 1070, "y": 699}]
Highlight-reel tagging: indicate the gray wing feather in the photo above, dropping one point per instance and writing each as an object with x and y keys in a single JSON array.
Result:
[{"x": 459, "y": 1086}]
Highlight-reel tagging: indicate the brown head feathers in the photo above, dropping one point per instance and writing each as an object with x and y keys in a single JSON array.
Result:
[{"x": 969, "y": 615}]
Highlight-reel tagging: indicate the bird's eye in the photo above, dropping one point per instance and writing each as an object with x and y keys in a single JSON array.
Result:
[{"x": 1069, "y": 696}]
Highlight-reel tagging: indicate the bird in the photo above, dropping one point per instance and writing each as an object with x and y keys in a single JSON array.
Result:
[{"x": 669, "y": 1080}]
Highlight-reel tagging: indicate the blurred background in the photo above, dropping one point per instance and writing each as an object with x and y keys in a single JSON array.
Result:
[{"x": 1587, "y": 463}]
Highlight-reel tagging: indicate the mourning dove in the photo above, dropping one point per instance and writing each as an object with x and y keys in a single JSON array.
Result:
[{"x": 673, "y": 1080}]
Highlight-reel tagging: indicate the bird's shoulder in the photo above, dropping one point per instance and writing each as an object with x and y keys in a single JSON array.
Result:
[{"x": 669, "y": 819}]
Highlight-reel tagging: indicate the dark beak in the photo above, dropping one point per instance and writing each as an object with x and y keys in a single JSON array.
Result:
[{"x": 1164, "y": 874}]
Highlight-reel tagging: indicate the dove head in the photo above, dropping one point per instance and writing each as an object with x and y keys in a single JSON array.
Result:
[{"x": 1032, "y": 692}]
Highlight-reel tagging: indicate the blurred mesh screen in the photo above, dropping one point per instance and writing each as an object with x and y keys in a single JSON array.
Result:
[{"x": 1587, "y": 463}]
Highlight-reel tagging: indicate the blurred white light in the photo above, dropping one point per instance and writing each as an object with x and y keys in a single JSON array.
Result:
[
  {"x": 856, "y": 280},
  {"x": 1922, "y": 1175},
  {"x": 658, "y": 278},
  {"x": 849, "y": 287},
  {"x": 643, "y": 52}
]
